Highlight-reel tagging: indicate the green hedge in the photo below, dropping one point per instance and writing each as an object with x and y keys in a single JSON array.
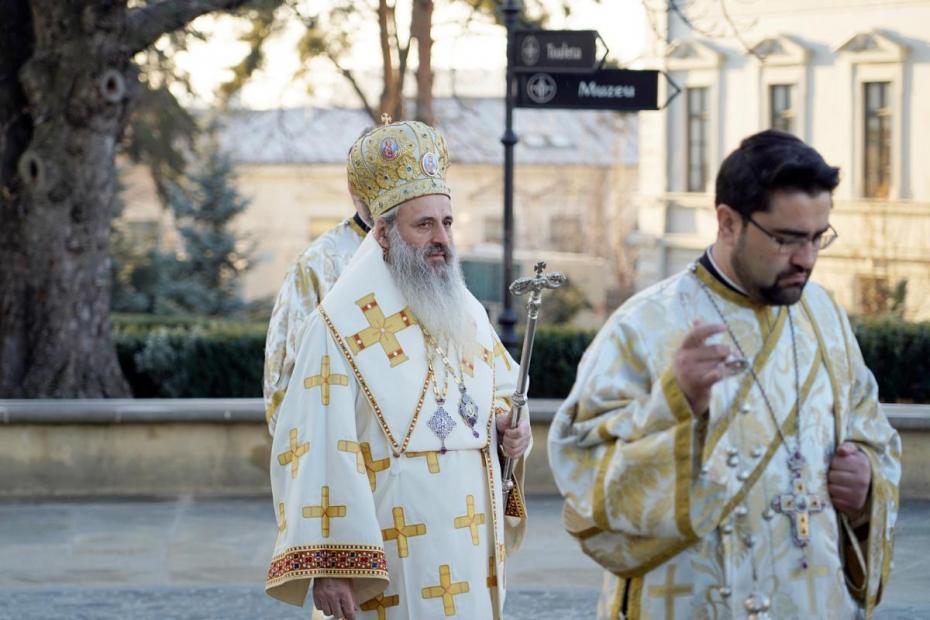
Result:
[
  {"x": 192, "y": 357},
  {"x": 898, "y": 353},
  {"x": 556, "y": 353}
]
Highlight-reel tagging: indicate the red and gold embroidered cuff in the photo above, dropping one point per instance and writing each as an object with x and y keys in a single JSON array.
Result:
[{"x": 329, "y": 560}]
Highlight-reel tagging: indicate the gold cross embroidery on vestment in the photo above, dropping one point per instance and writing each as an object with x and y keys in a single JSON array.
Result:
[
  {"x": 380, "y": 604},
  {"x": 381, "y": 330},
  {"x": 364, "y": 462},
  {"x": 324, "y": 380},
  {"x": 432, "y": 459},
  {"x": 282, "y": 522},
  {"x": 446, "y": 590},
  {"x": 401, "y": 531},
  {"x": 471, "y": 519},
  {"x": 293, "y": 453},
  {"x": 669, "y": 591},
  {"x": 324, "y": 512}
]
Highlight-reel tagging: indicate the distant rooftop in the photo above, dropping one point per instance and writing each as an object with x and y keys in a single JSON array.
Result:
[{"x": 472, "y": 126}]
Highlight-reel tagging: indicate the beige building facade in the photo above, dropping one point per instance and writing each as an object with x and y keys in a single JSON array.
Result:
[
  {"x": 851, "y": 78},
  {"x": 575, "y": 177}
]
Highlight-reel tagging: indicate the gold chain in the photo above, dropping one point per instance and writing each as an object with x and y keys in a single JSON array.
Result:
[
  {"x": 449, "y": 369},
  {"x": 440, "y": 396}
]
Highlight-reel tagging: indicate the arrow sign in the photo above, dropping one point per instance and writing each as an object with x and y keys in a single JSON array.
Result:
[
  {"x": 556, "y": 50},
  {"x": 606, "y": 89}
]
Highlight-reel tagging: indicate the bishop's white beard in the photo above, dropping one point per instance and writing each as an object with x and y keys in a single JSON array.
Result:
[{"x": 435, "y": 292}]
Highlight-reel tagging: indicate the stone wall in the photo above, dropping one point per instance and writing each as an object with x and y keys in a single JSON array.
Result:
[{"x": 222, "y": 447}]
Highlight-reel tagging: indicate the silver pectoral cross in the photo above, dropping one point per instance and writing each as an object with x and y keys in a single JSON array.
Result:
[{"x": 798, "y": 505}]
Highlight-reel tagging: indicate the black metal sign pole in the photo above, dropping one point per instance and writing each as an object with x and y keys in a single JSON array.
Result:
[{"x": 508, "y": 318}]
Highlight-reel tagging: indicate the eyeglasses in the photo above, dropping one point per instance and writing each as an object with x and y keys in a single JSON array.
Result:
[{"x": 789, "y": 244}]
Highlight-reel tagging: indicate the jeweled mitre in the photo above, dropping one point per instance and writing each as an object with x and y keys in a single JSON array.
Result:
[{"x": 397, "y": 162}]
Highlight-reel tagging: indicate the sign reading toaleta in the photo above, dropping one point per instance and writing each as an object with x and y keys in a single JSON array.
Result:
[{"x": 556, "y": 50}]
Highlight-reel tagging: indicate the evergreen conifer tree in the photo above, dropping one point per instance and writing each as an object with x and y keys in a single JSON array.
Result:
[
  {"x": 203, "y": 277},
  {"x": 214, "y": 257}
]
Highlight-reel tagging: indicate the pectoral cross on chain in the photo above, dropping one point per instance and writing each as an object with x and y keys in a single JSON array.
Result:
[{"x": 798, "y": 505}]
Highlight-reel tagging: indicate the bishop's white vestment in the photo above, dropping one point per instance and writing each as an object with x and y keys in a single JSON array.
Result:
[
  {"x": 680, "y": 507},
  {"x": 360, "y": 485},
  {"x": 305, "y": 284}
]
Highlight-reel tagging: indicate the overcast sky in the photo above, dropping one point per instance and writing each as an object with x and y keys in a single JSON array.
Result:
[{"x": 621, "y": 23}]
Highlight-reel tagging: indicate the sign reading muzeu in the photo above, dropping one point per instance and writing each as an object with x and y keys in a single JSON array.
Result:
[{"x": 606, "y": 89}]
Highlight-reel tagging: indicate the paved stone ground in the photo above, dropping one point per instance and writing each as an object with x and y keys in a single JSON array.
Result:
[{"x": 205, "y": 559}]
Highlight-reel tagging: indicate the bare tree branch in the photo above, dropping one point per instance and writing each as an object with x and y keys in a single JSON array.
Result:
[
  {"x": 653, "y": 22},
  {"x": 347, "y": 74},
  {"x": 146, "y": 24},
  {"x": 737, "y": 33},
  {"x": 675, "y": 7}
]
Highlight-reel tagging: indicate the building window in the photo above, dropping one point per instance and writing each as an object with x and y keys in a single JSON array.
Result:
[
  {"x": 781, "y": 105},
  {"x": 565, "y": 233},
  {"x": 320, "y": 225},
  {"x": 877, "y": 139},
  {"x": 697, "y": 139}
]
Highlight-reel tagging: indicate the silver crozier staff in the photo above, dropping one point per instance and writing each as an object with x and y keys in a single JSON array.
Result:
[{"x": 534, "y": 286}]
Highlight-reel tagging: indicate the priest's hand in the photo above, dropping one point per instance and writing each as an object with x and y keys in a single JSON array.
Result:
[
  {"x": 698, "y": 365},
  {"x": 513, "y": 441},
  {"x": 849, "y": 478},
  {"x": 333, "y": 596}
]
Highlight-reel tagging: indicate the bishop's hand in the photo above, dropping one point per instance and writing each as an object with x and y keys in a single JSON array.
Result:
[
  {"x": 698, "y": 365},
  {"x": 849, "y": 479},
  {"x": 513, "y": 441},
  {"x": 333, "y": 596}
]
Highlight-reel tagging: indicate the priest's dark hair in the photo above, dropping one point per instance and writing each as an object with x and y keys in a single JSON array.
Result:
[{"x": 769, "y": 161}]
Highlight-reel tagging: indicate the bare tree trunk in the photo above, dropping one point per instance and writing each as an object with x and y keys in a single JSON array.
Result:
[
  {"x": 422, "y": 29},
  {"x": 15, "y": 133},
  {"x": 66, "y": 87},
  {"x": 389, "y": 95},
  {"x": 77, "y": 91}
]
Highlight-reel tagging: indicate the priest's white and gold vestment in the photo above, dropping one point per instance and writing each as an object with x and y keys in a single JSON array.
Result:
[
  {"x": 360, "y": 486},
  {"x": 678, "y": 507},
  {"x": 305, "y": 284}
]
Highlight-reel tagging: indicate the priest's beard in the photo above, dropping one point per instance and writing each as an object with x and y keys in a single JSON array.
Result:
[
  {"x": 435, "y": 292},
  {"x": 761, "y": 282}
]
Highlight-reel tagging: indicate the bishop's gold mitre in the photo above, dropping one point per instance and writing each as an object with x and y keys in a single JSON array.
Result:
[{"x": 396, "y": 162}]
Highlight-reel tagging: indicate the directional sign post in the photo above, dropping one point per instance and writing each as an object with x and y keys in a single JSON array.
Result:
[
  {"x": 556, "y": 50},
  {"x": 559, "y": 69},
  {"x": 606, "y": 89}
]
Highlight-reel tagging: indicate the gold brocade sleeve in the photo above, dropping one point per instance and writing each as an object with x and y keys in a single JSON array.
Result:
[
  {"x": 298, "y": 297},
  {"x": 865, "y": 423},
  {"x": 322, "y": 479},
  {"x": 624, "y": 448},
  {"x": 304, "y": 286}
]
